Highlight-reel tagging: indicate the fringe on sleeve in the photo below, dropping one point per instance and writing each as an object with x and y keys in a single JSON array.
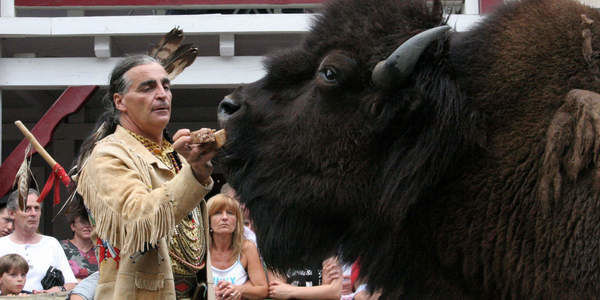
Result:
[{"x": 133, "y": 235}]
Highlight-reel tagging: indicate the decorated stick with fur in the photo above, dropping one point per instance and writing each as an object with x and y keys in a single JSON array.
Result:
[
  {"x": 34, "y": 142},
  {"x": 58, "y": 172}
]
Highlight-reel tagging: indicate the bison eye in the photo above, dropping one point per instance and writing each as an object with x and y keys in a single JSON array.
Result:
[{"x": 329, "y": 75}]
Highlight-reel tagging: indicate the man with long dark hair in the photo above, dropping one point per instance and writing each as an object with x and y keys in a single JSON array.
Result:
[{"x": 137, "y": 184}]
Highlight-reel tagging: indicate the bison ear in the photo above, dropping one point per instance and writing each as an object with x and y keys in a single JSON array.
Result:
[{"x": 398, "y": 67}]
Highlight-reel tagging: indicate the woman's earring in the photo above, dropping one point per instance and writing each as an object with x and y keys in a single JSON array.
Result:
[{"x": 210, "y": 230}]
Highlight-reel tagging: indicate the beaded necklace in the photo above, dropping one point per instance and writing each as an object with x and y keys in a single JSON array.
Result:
[{"x": 164, "y": 152}]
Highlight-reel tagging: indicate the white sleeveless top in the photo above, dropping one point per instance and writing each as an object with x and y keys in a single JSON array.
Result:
[{"x": 236, "y": 274}]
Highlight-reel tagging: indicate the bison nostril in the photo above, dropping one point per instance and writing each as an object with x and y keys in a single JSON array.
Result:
[{"x": 228, "y": 106}]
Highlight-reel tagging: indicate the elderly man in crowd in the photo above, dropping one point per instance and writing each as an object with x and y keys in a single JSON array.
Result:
[
  {"x": 135, "y": 186},
  {"x": 7, "y": 211},
  {"x": 40, "y": 251}
]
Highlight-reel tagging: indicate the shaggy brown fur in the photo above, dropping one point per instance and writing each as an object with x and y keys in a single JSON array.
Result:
[{"x": 476, "y": 180}]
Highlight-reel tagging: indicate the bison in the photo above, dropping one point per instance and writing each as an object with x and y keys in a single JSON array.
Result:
[{"x": 454, "y": 165}]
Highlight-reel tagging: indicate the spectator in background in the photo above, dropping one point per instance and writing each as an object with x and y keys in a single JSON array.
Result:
[
  {"x": 86, "y": 288},
  {"x": 80, "y": 250},
  {"x": 13, "y": 274},
  {"x": 315, "y": 283},
  {"x": 237, "y": 271},
  {"x": 7, "y": 211},
  {"x": 347, "y": 288},
  {"x": 40, "y": 251},
  {"x": 249, "y": 234},
  {"x": 360, "y": 289}
]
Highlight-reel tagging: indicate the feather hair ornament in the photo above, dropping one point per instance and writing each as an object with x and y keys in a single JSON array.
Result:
[
  {"x": 167, "y": 45},
  {"x": 181, "y": 59},
  {"x": 172, "y": 55}
]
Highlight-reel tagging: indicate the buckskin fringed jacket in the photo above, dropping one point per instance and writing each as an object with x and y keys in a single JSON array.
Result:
[{"x": 135, "y": 201}]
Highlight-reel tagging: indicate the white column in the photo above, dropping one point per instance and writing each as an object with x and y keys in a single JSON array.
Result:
[
  {"x": 8, "y": 8},
  {"x": 226, "y": 44},
  {"x": 471, "y": 7},
  {"x": 102, "y": 46}
]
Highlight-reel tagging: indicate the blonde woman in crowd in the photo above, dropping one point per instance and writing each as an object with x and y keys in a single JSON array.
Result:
[{"x": 236, "y": 267}]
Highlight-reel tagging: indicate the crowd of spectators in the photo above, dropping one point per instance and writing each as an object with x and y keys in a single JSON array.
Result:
[
  {"x": 41, "y": 252},
  {"x": 237, "y": 269}
]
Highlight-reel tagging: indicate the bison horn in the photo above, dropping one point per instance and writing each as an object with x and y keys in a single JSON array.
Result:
[{"x": 400, "y": 64}]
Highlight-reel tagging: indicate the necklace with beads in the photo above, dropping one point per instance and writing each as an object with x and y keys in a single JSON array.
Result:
[{"x": 164, "y": 152}]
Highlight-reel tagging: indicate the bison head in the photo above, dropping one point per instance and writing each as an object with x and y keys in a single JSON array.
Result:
[{"x": 324, "y": 148}]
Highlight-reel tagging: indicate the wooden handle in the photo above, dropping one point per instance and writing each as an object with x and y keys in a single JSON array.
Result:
[{"x": 36, "y": 144}]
